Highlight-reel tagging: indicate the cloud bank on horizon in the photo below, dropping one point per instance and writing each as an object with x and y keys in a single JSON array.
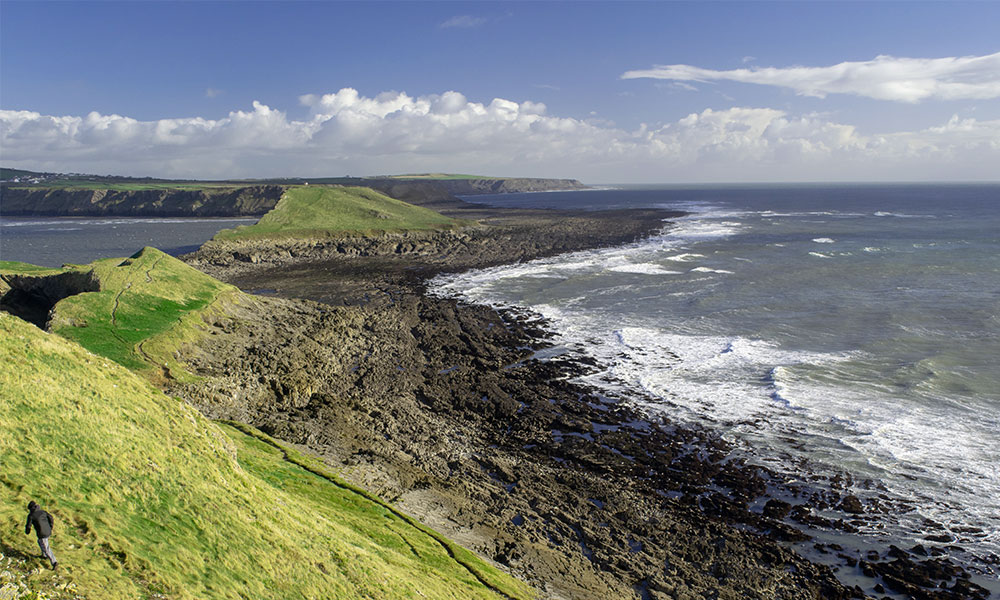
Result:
[
  {"x": 348, "y": 133},
  {"x": 883, "y": 78}
]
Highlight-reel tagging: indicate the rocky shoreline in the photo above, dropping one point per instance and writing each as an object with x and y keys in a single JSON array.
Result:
[{"x": 445, "y": 409}]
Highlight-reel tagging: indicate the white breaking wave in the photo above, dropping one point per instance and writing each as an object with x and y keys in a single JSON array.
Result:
[
  {"x": 902, "y": 215},
  {"x": 485, "y": 285},
  {"x": 905, "y": 445},
  {"x": 817, "y": 213},
  {"x": 644, "y": 269},
  {"x": 823, "y": 240},
  {"x": 708, "y": 270},
  {"x": 687, "y": 256}
]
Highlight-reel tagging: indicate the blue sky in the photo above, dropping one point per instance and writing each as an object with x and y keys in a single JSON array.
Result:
[{"x": 174, "y": 87}]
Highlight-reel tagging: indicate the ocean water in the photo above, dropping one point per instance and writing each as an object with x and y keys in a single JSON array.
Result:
[
  {"x": 856, "y": 328},
  {"x": 53, "y": 241}
]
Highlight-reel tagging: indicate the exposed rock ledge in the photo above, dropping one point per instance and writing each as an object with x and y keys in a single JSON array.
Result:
[{"x": 517, "y": 236}]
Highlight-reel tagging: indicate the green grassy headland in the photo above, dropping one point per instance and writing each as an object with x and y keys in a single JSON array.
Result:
[
  {"x": 152, "y": 500},
  {"x": 147, "y": 306},
  {"x": 321, "y": 211}
]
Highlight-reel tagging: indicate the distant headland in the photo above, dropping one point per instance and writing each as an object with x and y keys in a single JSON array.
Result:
[{"x": 30, "y": 193}]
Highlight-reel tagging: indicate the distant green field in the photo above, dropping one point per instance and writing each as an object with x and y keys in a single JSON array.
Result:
[
  {"x": 152, "y": 500},
  {"x": 320, "y": 211}
]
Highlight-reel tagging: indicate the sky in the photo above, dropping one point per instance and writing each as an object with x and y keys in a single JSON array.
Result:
[{"x": 603, "y": 92}]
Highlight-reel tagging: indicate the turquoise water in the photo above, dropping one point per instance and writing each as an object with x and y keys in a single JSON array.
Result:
[{"x": 853, "y": 327}]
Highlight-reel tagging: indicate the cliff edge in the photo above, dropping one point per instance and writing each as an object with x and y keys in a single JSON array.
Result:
[{"x": 77, "y": 202}]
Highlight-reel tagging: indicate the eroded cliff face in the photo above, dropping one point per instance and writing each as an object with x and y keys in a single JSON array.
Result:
[
  {"x": 220, "y": 202},
  {"x": 33, "y": 297}
]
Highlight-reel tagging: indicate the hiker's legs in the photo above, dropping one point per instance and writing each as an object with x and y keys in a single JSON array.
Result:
[{"x": 43, "y": 543}]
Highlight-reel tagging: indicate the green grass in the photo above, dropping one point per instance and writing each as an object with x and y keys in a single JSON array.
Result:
[
  {"x": 321, "y": 211},
  {"x": 148, "y": 305},
  {"x": 10, "y": 267},
  {"x": 151, "y": 500}
]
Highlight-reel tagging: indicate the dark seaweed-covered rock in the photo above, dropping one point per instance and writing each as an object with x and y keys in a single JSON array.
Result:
[
  {"x": 777, "y": 509},
  {"x": 851, "y": 504}
]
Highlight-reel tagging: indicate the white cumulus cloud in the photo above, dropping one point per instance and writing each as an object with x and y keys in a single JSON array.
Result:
[
  {"x": 883, "y": 78},
  {"x": 393, "y": 132}
]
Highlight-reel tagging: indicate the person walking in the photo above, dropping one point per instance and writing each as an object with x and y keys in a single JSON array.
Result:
[{"x": 42, "y": 521}]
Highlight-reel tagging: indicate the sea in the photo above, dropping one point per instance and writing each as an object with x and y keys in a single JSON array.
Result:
[
  {"x": 820, "y": 329},
  {"x": 54, "y": 241}
]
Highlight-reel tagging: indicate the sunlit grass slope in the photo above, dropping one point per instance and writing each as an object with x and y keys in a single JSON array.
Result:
[
  {"x": 151, "y": 500},
  {"x": 148, "y": 305},
  {"x": 319, "y": 211}
]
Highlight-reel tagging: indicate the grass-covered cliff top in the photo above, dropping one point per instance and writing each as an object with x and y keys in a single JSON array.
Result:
[
  {"x": 152, "y": 500},
  {"x": 148, "y": 305},
  {"x": 145, "y": 307},
  {"x": 320, "y": 211},
  {"x": 15, "y": 267}
]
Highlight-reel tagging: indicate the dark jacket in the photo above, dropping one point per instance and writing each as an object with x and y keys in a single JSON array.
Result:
[{"x": 42, "y": 522}]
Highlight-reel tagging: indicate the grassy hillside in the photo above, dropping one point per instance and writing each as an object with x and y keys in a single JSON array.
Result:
[
  {"x": 148, "y": 305},
  {"x": 311, "y": 211},
  {"x": 151, "y": 500}
]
